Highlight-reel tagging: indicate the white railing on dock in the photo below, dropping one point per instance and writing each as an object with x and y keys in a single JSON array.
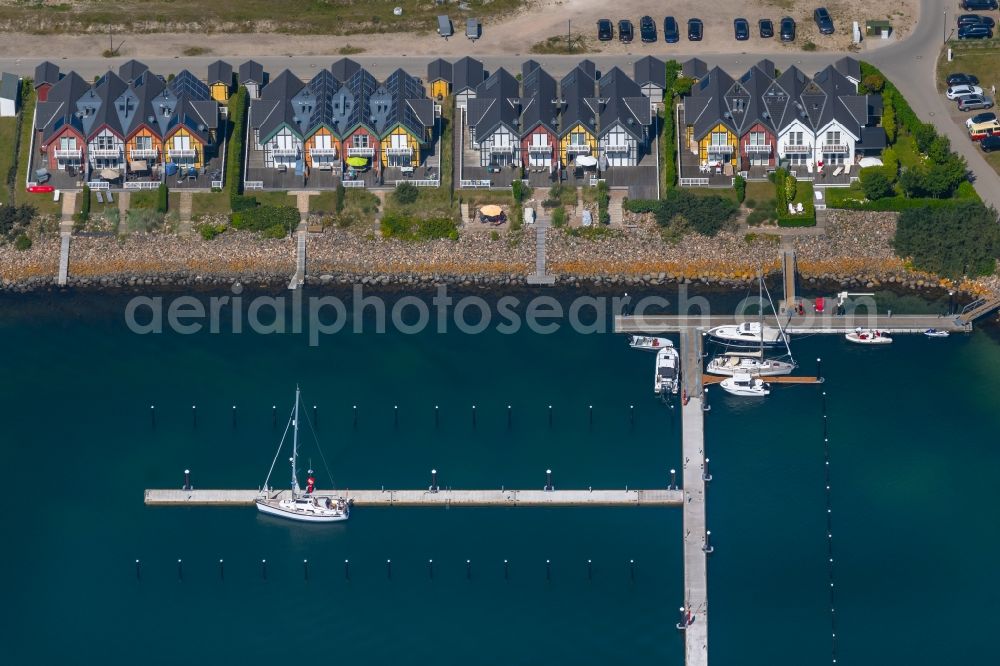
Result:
[
  {"x": 253, "y": 185},
  {"x": 419, "y": 182},
  {"x": 217, "y": 184},
  {"x": 694, "y": 182},
  {"x": 475, "y": 183},
  {"x": 141, "y": 185}
]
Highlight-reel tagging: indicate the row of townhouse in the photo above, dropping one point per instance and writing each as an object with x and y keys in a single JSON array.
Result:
[
  {"x": 539, "y": 122},
  {"x": 342, "y": 112},
  {"x": 766, "y": 118},
  {"x": 129, "y": 122}
]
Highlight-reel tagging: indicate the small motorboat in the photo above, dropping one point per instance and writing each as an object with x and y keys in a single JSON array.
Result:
[
  {"x": 668, "y": 371},
  {"x": 744, "y": 384},
  {"x": 867, "y": 336},
  {"x": 749, "y": 333},
  {"x": 648, "y": 343},
  {"x": 934, "y": 333}
]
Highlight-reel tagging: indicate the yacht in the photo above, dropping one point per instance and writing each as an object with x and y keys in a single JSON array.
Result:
[
  {"x": 867, "y": 336},
  {"x": 747, "y": 334},
  {"x": 744, "y": 384},
  {"x": 668, "y": 371},
  {"x": 934, "y": 333},
  {"x": 730, "y": 363},
  {"x": 648, "y": 342}
]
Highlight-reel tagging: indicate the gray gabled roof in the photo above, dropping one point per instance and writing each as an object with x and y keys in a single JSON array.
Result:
[
  {"x": 706, "y": 106},
  {"x": 187, "y": 84},
  {"x": 60, "y": 110},
  {"x": 46, "y": 72},
  {"x": 439, "y": 70},
  {"x": 527, "y": 67},
  {"x": 872, "y": 138},
  {"x": 766, "y": 67},
  {"x": 695, "y": 68},
  {"x": 496, "y": 104},
  {"x": 274, "y": 108},
  {"x": 98, "y": 105},
  {"x": 787, "y": 89},
  {"x": 537, "y": 107},
  {"x": 745, "y": 101},
  {"x": 468, "y": 74},
  {"x": 10, "y": 86},
  {"x": 843, "y": 105},
  {"x": 220, "y": 72},
  {"x": 317, "y": 98},
  {"x": 344, "y": 69},
  {"x": 131, "y": 70},
  {"x": 622, "y": 103},
  {"x": 849, "y": 67},
  {"x": 146, "y": 90},
  {"x": 576, "y": 90},
  {"x": 650, "y": 70},
  {"x": 356, "y": 111},
  {"x": 251, "y": 72},
  {"x": 408, "y": 105}
]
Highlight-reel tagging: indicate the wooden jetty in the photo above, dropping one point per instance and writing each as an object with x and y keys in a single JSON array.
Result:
[{"x": 426, "y": 497}]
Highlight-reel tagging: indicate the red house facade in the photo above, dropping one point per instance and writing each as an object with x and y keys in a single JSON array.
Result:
[
  {"x": 758, "y": 147},
  {"x": 362, "y": 142},
  {"x": 538, "y": 147},
  {"x": 66, "y": 148}
]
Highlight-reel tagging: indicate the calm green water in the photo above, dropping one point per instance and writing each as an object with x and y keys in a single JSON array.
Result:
[{"x": 914, "y": 453}]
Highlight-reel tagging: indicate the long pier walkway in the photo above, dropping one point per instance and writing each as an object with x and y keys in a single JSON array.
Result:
[
  {"x": 796, "y": 324},
  {"x": 425, "y": 497},
  {"x": 540, "y": 276},
  {"x": 788, "y": 276},
  {"x": 695, "y": 551}
]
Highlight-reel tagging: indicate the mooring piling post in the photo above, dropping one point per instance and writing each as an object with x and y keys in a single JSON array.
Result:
[
  {"x": 548, "y": 481},
  {"x": 274, "y": 416},
  {"x": 682, "y": 625},
  {"x": 631, "y": 414},
  {"x": 468, "y": 569},
  {"x": 194, "y": 416},
  {"x": 355, "y": 416},
  {"x": 305, "y": 569},
  {"x": 434, "y": 481},
  {"x": 187, "y": 480},
  {"x": 673, "y": 480},
  {"x": 430, "y": 569},
  {"x": 706, "y": 476},
  {"x": 388, "y": 569},
  {"x": 819, "y": 368},
  {"x": 395, "y": 416},
  {"x": 508, "y": 416},
  {"x": 263, "y": 569},
  {"x": 437, "y": 420},
  {"x": 138, "y": 573},
  {"x": 590, "y": 570},
  {"x": 550, "y": 416},
  {"x": 222, "y": 570},
  {"x": 548, "y": 569},
  {"x": 506, "y": 570},
  {"x": 234, "y": 416},
  {"x": 590, "y": 415},
  {"x": 704, "y": 400},
  {"x": 180, "y": 570},
  {"x": 347, "y": 569},
  {"x": 473, "y": 416},
  {"x": 152, "y": 415},
  {"x": 708, "y": 548},
  {"x": 315, "y": 417},
  {"x": 631, "y": 570}
]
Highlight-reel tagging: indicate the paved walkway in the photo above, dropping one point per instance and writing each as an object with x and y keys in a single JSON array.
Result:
[
  {"x": 540, "y": 276},
  {"x": 65, "y": 234},
  {"x": 184, "y": 206}
]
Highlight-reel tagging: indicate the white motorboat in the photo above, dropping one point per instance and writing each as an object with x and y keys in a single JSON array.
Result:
[
  {"x": 747, "y": 334},
  {"x": 309, "y": 506},
  {"x": 730, "y": 363},
  {"x": 648, "y": 342},
  {"x": 867, "y": 336},
  {"x": 934, "y": 333},
  {"x": 667, "y": 378},
  {"x": 744, "y": 384}
]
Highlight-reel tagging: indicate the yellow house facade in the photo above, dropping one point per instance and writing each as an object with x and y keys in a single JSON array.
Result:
[
  {"x": 718, "y": 145},
  {"x": 401, "y": 148},
  {"x": 439, "y": 89},
  {"x": 219, "y": 92},
  {"x": 184, "y": 148},
  {"x": 577, "y": 141}
]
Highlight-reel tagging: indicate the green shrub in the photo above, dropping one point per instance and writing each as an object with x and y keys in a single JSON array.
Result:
[
  {"x": 890, "y": 164},
  {"x": 237, "y": 110},
  {"x": 797, "y": 221},
  {"x": 14, "y": 220},
  {"x": 706, "y": 215},
  {"x": 641, "y": 205},
  {"x": 517, "y": 189},
  {"x": 276, "y": 230},
  {"x": 405, "y": 227},
  {"x": 924, "y": 134},
  {"x": 683, "y": 85},
  {"x": 673, "y": 70},
  {"x": 603, "y": 199},
  {"x": 960, "y": 239},
  {"x": 161, "y": 198},
  {"x": 874, "y": 183},
  {"x": 966, "y": 190},
  {"x": 791, "y": 185},
  {"x": 558, "y": 217},
  {"x": 551, "y": 203},
  {"x": 339, "y": 197},
  {"x": 873, "y": 83},
  {"x": 242, "y": 202},
  {"x": 740, "y": 185},
  {"x": 406, "y": 193},
  {"x": 757, "y": 217},
  {"x": 750, "y": 203},
  {"x": 22, "y": 242},
  {"x": 267, "y": 219},
  {"x": 669, "y": 139},
  {"x": 210, "y": 231},
  {"x": 85, "y": 204},
  {"x": 494, "y": 235},
  {"x": 808, "y": 45},
  {"x": 889, "y": 121}
]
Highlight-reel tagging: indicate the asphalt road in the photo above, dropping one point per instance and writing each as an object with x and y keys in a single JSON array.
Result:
[{"x": 910, "y": 64}]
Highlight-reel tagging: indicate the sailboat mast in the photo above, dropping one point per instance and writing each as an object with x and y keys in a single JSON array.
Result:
[
  {"x": 760, "y": 304},
  {"x": 295, "y": 443}
]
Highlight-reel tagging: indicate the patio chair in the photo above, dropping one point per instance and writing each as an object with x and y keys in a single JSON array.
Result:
[
  {"x": 111, "y": 199},
  {"x": 799, "y": 208},
  {"x": 837, "y": 171},
  {"x": 100, "y": 197},
  {"x": 809, "y": 167},
  {"x": 791, "y": 209}
]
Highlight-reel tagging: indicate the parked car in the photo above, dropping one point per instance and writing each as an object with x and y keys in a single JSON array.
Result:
[
  {"x": 960, "y": 79},
  {"x": 787, "y": 29},
  {"x": 974, "y": 5},
  {"x": 980, "y": 131},
  {"x": 823, "y": 21},
  {"x": 766, "y": 28},
  {"x": 742, "y": 29},
  {"x": 975, "y": 19},
  {"x": 626, "y": 33},
  {"x": 647, "y": 29},
  {"x": 671, "y": 33},
  {"x": 605, "y": 30},
  {"x": 980, "y": 118},
  {"x": 974, "y": 102},
  {"x": 975, "y": 32},
  {"x": 990, "y": 143},
  {"x": 695, "y": 30},
  {"x": 954, "y": 92}
]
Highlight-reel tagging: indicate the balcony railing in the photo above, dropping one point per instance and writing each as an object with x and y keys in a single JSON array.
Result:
[
  {"x": 323, "y": 152},
  {"x": 361, "y": 151},
  {"x": 719, "y": 149},
  {"x": 183, "y": 152},
  {"x": 106, "y": 152},
  {"x": 285, "y": 152},
  {"x": 501, "y": 149},
  {"x": 144, "y": 153},
  {"x": 573, "y": 149},
  {"x": 617, "y": 148},
  {"x": 758, "y": 148},
  {"x": 797, "y": 148},
  {"x": 835, "y": 148},
  {"x": 396, "y": 150},
  {"x": 68, "y": 153},
  {"x": 540, "y": 149}
]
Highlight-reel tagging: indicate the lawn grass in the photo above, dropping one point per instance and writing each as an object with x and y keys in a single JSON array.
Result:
[
  {"x": 981, "y": 59},
  {"x": 324, "y": 202},
  {"x": 209, "y": 203},
  {"x": 724, "y": 192},
  {"x": 343, "y": 17},
  {"x": 760, "y": 191},
  {"x": 444, "y": 146},
  {"x": 8, "y": 143},
  {"x": 42, "y": 202},
  {"x": 272, "y": 198},
  {"x": 143, "y": 199}
]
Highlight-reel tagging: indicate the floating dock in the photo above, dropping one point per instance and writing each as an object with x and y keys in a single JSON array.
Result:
[
  {"x": 471, "y": 498},
  {"x": 807, "y": 324}
]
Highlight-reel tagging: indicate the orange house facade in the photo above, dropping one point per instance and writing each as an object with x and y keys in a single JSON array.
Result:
[{"x": 323, "y": 150}]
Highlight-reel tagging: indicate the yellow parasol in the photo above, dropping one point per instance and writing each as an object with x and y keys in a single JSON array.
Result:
[
  {"x": 357, "y": 161},
  {"x": 491, "y": 210}
]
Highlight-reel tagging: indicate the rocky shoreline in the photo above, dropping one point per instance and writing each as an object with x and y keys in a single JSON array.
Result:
[{"x": 853, "y": 252}]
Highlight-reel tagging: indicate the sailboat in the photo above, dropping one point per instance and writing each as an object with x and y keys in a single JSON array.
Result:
[
  {"x": 733, "y": 362},
  {"x": 302, "y": 506}
]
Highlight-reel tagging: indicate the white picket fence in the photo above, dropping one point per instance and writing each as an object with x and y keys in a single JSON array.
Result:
[
  {"x": 98, "y": 184},
  {"x": 353, "y": 183},
  {"x": 253, "y": 185},
  {"x": 419, "y": 183},
  {"x": 141, "y": 185},
  {"x": 694, "y": 182},
  {"x": 475, "y": 183}
]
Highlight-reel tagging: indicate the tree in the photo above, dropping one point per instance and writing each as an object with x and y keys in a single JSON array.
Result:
[
  {"x": 944, "y": 177},
  {"x": 963, "y": 239},
  {"x": 406, "y": 193},
  {"x": 740, "y": 185},
  {"x": 912, "y": 182},
  {"x": 790, "y": 187},
  {"x": 161, "y": 198},
  {"x": 890, "y": 164},
  {"x": 873, "y": 83},
  {"x": 874, "y": 183},
  {"x": 683, "y": 85},
  {"x": 924, "y": 134},
  {"x": 939, "y": 149}
]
